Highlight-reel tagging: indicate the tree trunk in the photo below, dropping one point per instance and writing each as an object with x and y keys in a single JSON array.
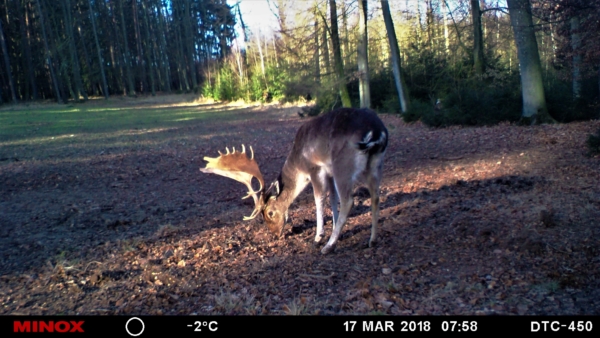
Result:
[
  {"x": 66, "y": 4},
  {"x": 148, "y": 46},
  {"x": 445, "y": 10},
  {"x": 190, "y": 43},
  {"x": 363, "y": 56},
  {"x": 164, "y": 29},
  {"x": 99, "y": 51},
  {"x": 346, "y": 41},
  {"x": 325, "y": 44},
  {"x": 27, "y": 38},
  {"x": 478, "y": 61},
  {"x": 140, "y": 62},
  {"x": 317, "y": 63},
  {"x": 11, "y": 81},
  {"x": 246, "y": 40},
  {"x": 49, "y": 55},
  {"x": 337, "y": 56},
  {"x": 127, "y": 55},
  {"x": 395, "y": 51},
  {"x": 532, "y": 86},
  {"x": 575, "y": 46}
]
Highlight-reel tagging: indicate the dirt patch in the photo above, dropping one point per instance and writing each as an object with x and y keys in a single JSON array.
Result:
[{"x": 494, "y": 220}]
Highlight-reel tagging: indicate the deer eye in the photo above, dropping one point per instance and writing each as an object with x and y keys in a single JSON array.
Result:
[{"x": 271, "y": 213}]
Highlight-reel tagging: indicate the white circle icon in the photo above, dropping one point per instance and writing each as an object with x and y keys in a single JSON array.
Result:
[{"x": 127, "y": 327}]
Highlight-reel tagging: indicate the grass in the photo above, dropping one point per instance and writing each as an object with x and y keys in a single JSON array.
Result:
[
  {"x": 42, "y": 122},
  {"x": 76, "y": 132}
]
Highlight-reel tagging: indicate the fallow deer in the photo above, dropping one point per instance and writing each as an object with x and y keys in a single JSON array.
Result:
[{"x": 332, "y": 151}]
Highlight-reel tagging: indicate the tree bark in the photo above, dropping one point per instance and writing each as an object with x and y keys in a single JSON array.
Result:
[
  {"x": 337, "y": 56},
  {"x": 99, "y": 51},
  {"x": 190, "y": 43},
  {"x": 325, "y": 44},
  {"x": 534, "y": 99},
  {"x": 140, "y": 62},
  {"x": 165, "y": 61},
  {"x": 575, "y": 46},
  {"x": 150, "y": 50},
  {"x": 363, "y": 56},
  {"x": 11, "y": 81},
  {"x": 445, "y": 10},
  {"x": 316, "y": 55},
  {"x": 395, "y": 51},
  {"x": 49, "y": 55},
  {"x": 75, "y": 68},
  {"x": 27, "y": 47},
  {"x": 127, "y": 55},
  {"x": 478, "y": 58},
  {"x": 346, "y": 40}
]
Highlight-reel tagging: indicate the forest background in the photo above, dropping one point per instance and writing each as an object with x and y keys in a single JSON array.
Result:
[{"x": 441, "y": 61}]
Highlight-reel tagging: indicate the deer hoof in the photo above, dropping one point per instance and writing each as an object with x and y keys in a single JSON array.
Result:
[
  {"x": 327, "y": 249},
  {"x": 372, "y": 243}
]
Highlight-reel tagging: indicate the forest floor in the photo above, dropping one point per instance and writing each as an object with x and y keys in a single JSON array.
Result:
[{"x": 118, "y": 219}]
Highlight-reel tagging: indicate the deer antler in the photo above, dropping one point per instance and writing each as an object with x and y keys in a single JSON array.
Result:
[{"x": 237, "y": 166}]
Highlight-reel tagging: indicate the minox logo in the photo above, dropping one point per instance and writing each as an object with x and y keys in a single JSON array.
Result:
[{"x": 61, "y": 326}]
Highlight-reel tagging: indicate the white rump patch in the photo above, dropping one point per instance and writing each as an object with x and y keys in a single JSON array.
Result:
[
  {"x": 369, "y": 144},
  {"x": 367, "y": 138}
]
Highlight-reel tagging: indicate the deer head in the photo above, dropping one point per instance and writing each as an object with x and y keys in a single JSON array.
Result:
[{"x": 237, "y": 166}]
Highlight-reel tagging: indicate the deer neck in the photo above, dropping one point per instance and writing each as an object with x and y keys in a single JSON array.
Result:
[{"x": 291, "y": 183}]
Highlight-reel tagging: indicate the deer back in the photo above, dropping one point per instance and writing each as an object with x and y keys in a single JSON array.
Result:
[{"x": 321, "y": 140}]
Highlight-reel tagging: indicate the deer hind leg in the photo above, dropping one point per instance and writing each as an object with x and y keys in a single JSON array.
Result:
[
  {"x": 333, "y": 199},
  {"x": 343, "y": 188},
  {"x": 373, "y": 183},
  {"x": 320, "y": 185}
]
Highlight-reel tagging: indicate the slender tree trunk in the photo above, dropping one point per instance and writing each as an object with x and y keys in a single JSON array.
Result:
[
  {"x": 117, "y": 56},
  {"x": 183, "y": 80},
  {"x": 418, "y": 25},
  {"x": 149, "y": 47},
  {"x": 337, "y": 56},
  {"x": 26, "y": 39},
  {"x": 127, "y": 55},
  {"x": 11, "y": 81},
  {"x": 190, "y": 43},
  {"x": 363, "y": 56},
  {"x": 316, "y": 55},
  {"x": 99, "y": 51},
  {"x": 346, "y": 52},
  {"x": 79, "y": 33},
  {"x": 575, "y": 45},
  {"x": 478, "y": 61},
  {"x": 163, "y": 31},
  {"x": 446, "y": 32},
  {"x": 532, "y": 86},
  {"x": 140, "y": 62},
  {"x": 395, "y": 51},
  {"x": 246, "y": 40},
  {"x": 79, "y": 91},
  {"x": 49, "y": 55},
  {"x": 325, "y": 44}
]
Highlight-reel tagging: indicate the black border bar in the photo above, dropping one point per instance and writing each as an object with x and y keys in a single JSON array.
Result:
[{"x": 246, "y": 326}]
